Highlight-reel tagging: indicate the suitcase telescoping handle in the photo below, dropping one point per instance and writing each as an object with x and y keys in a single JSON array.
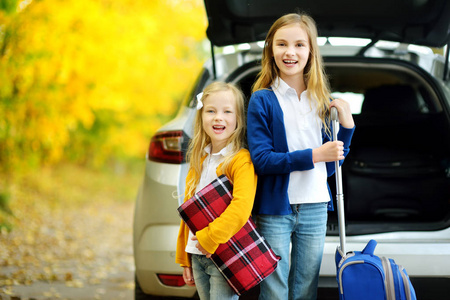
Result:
[{"x": 338, "y": 174}]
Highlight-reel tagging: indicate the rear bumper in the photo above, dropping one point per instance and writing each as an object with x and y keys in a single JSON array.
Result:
[
  {"x": 155, "y": 254},
  {"x": 422, "y": 254}
]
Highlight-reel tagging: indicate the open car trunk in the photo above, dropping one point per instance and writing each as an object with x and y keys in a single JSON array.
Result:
[
  {"x": 396, "y": 176},
  {"x": 424, "y": 22}
]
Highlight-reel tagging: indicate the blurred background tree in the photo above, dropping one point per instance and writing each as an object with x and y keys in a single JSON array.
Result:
[{"x": 89, "y": 81}]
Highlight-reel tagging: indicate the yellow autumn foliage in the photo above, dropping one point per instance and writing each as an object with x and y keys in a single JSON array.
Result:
[{"x": 90, "y": 80}]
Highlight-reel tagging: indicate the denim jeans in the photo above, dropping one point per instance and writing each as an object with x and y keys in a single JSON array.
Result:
[
  {"x": 210, "y": 283},
  {"x": 297, "y": 275}
]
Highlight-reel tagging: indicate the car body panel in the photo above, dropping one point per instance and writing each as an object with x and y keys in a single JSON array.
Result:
[{"x": 154, "y": 222}]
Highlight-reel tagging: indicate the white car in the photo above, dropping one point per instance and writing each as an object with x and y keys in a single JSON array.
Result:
[{"x": 397, "y": 174}]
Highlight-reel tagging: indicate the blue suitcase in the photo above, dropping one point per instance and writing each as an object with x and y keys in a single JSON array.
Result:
[{"x": 361, "y": 274}]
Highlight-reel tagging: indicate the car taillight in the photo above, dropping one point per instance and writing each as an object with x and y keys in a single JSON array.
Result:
[
  {"x": 171, "y": 280},
  {"x": 168, "y": 147}
]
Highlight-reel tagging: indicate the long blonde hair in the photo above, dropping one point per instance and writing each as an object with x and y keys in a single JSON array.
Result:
[
  {"x": 314, "y": 74},
  {"x": 200, "y": 139}
]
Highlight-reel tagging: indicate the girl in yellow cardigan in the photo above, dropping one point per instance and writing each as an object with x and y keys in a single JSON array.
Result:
[{"x": 215, "y": 149}]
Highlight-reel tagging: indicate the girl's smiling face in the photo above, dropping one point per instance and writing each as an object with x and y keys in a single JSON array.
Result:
[
  {"x": 291, "y": 51},
  {"x": 219, "y": 118}
]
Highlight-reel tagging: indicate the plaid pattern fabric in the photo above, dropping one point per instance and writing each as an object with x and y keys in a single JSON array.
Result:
[{"x": 246, "y": 259}]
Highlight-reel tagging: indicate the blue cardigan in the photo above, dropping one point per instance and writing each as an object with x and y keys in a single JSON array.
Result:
[{"x": 270, "y": 154}]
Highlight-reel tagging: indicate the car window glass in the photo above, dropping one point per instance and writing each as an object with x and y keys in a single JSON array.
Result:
[{"x": 354, "y": 99}]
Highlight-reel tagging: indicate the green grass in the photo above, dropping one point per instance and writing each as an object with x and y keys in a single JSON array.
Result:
[{"x": 67, "y": 186}]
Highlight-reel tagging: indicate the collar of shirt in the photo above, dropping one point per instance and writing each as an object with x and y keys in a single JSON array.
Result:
[
  {"x": 225, "y": 150},
  {"x": 281, "y": 87}
]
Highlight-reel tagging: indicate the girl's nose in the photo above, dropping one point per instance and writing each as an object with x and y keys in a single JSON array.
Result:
[{"x": 290, "y": 51}]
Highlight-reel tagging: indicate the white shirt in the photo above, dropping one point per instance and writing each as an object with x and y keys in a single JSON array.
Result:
[
  {"x": 210, "y": 164},
  {"x": 303, "y": 131}
]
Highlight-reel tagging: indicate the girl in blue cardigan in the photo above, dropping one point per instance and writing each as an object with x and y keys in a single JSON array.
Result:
[{"x": 289, "y": 142}]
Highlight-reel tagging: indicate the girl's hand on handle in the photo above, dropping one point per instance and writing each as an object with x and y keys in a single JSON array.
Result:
[
  {"x": 344, "y": 111},
  {"x": 328, "y": 152},
  {"x": 200, "y": 248},
  {"x": 188, "y": 276}
]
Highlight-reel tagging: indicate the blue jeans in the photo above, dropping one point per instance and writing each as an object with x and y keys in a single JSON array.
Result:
[
  {"x": 210, "y": 283},
  {"x": 297, "y": 274}
]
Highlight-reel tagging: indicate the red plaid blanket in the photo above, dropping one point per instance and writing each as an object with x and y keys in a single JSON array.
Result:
[{"x": 246, "y": 259}]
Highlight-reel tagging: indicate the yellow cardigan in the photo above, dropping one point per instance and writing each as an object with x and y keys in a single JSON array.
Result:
[{"x": 242, "y": 174}]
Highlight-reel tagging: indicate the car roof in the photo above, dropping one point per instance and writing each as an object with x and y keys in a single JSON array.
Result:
[{"x": 420, "y": 22}]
